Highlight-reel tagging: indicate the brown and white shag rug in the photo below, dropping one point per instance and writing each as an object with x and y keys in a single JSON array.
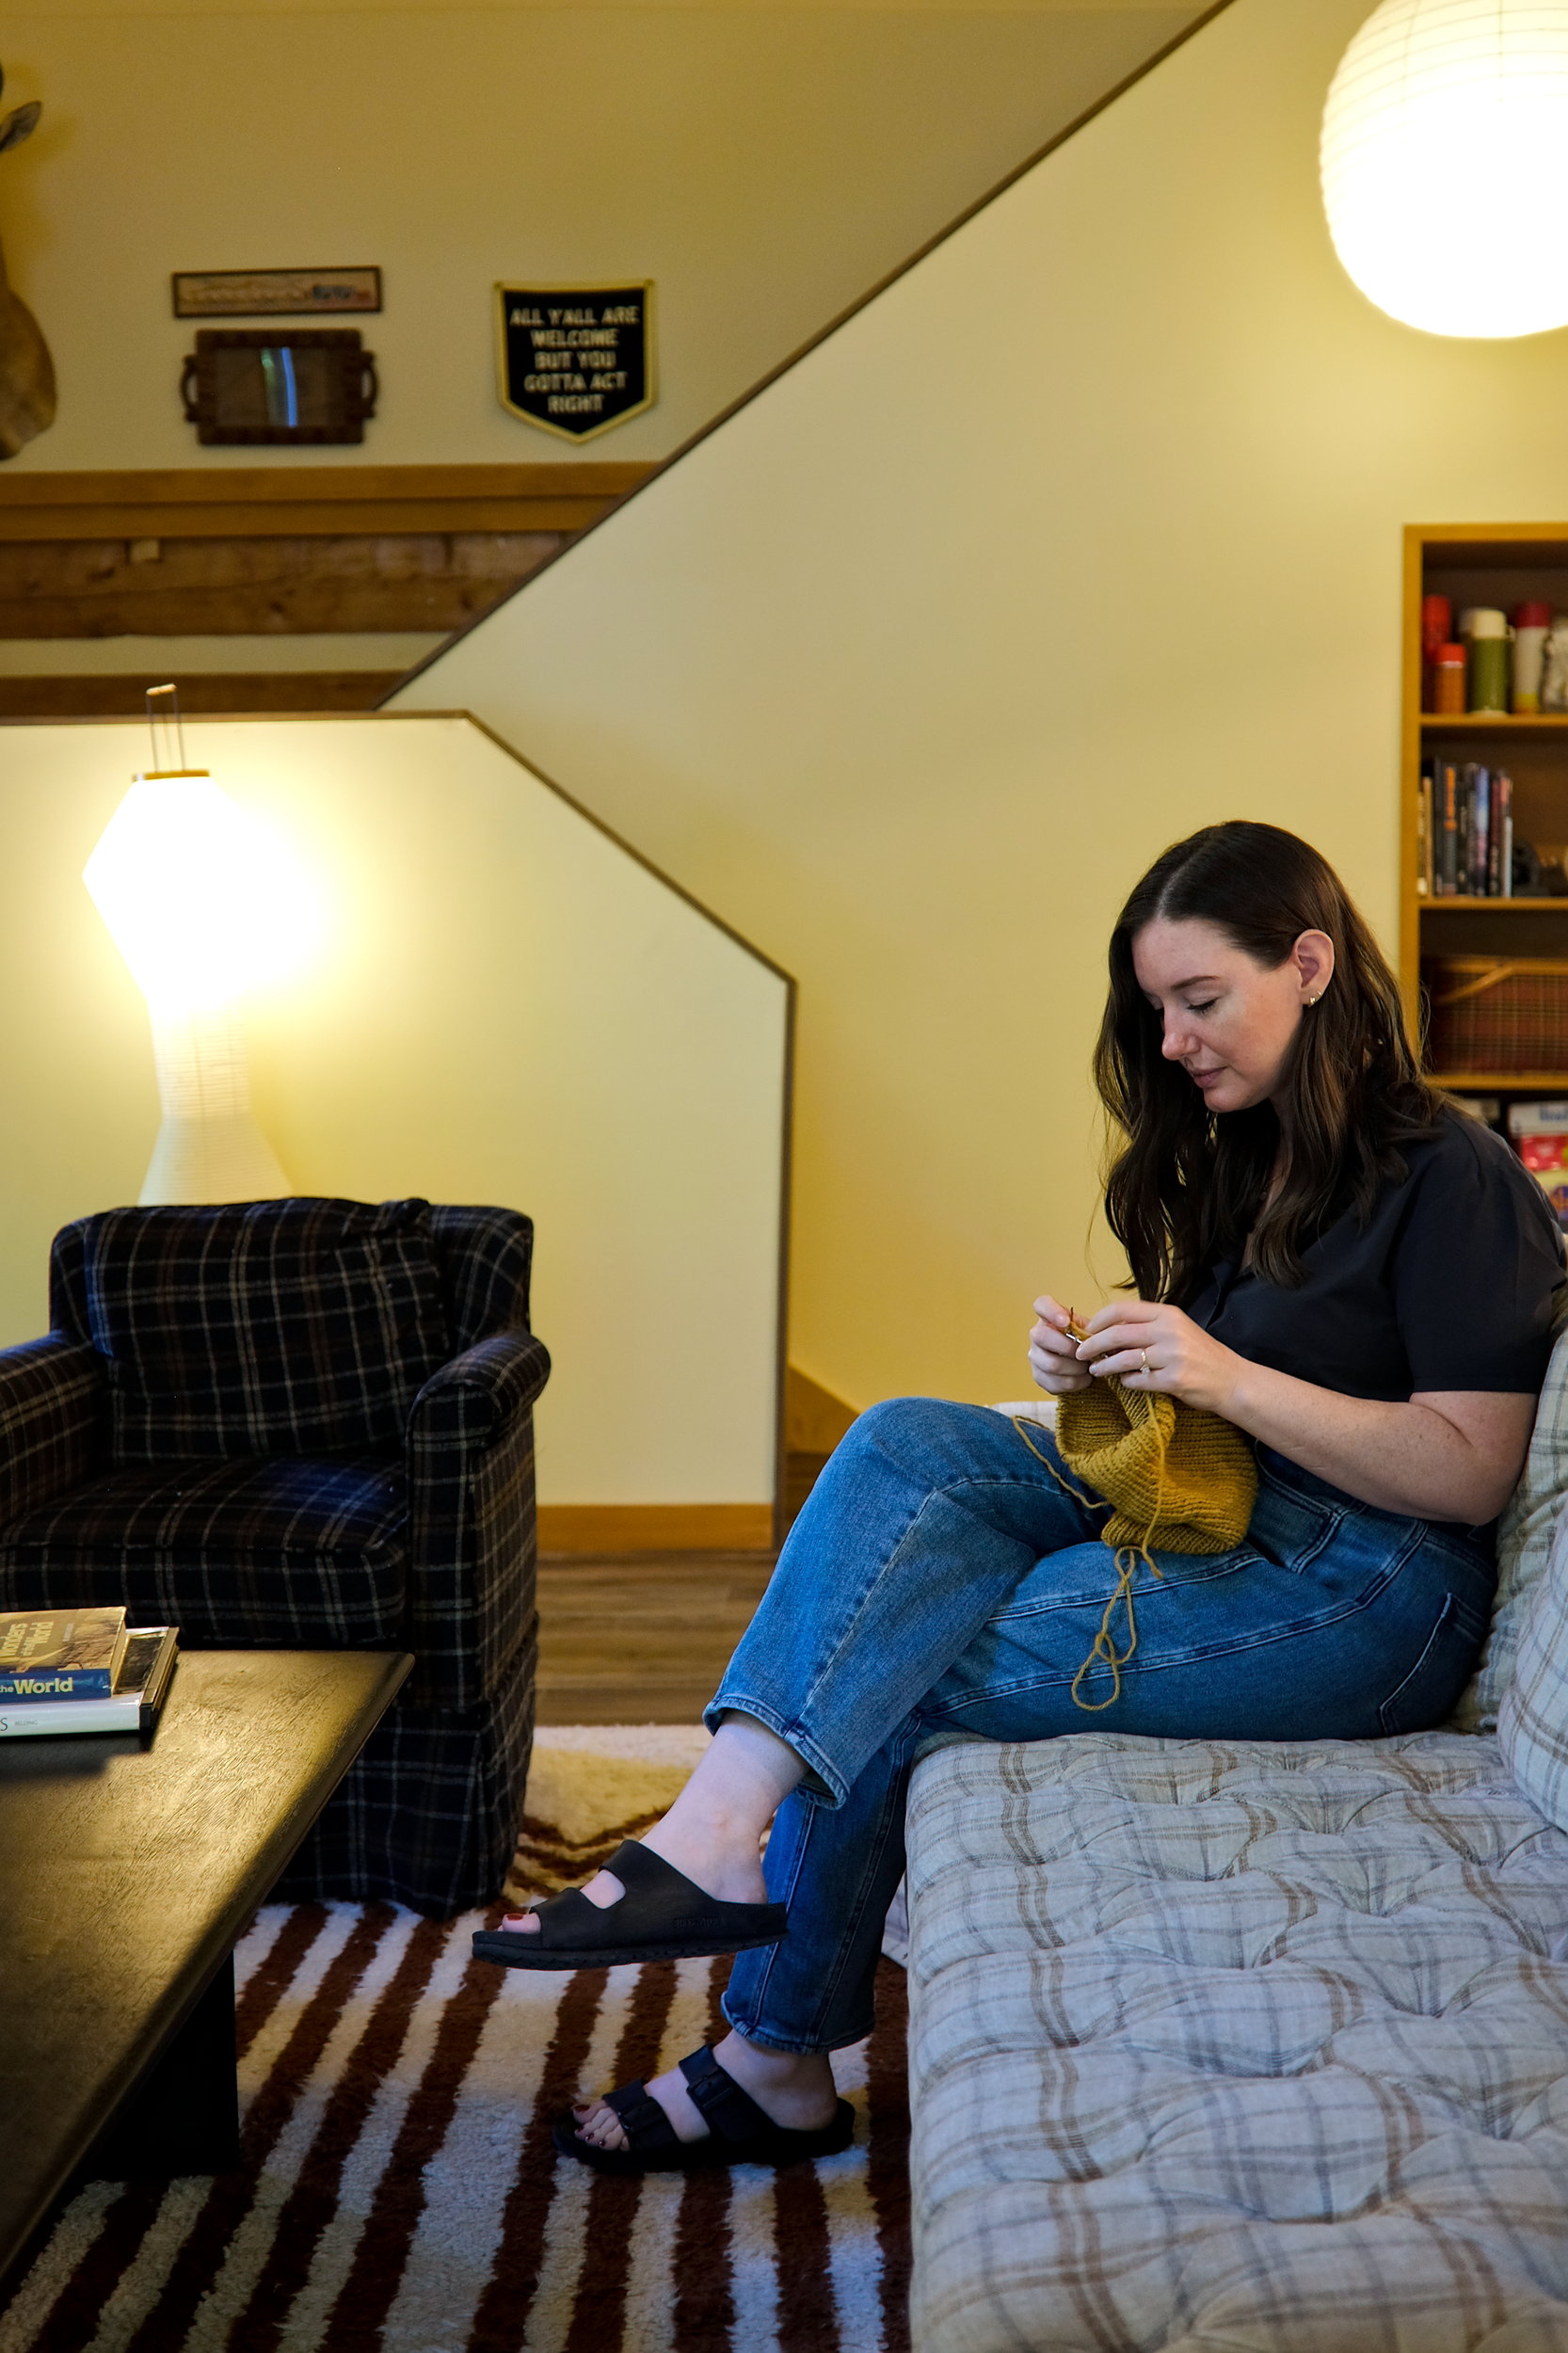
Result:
[{"x": 399, "y": 2189}]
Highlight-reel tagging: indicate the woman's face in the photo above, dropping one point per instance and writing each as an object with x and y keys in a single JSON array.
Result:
[{"x": 1226, "y": 1019}]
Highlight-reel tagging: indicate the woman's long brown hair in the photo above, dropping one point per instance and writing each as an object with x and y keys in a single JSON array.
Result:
[{"x": 1189, "y": 1185}]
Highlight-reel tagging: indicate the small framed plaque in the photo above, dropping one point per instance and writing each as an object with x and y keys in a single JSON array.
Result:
[
  {"x": 575, "y": 359},
  {"x": 254, "y": 293},
  {"x": 258, "y": 385}
]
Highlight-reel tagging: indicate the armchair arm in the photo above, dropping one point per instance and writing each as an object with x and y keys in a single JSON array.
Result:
[
  {"x": 471, "y": 1519},
  {"x": 53, "y": 1399}
]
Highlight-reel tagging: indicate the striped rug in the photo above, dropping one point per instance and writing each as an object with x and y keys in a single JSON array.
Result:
[{"x": 399, "y": 2189}]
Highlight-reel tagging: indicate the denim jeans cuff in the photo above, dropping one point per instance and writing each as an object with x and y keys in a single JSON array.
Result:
[
  {"x": 797, "y": 2046},
  {"x": 822, "y": 1780}
]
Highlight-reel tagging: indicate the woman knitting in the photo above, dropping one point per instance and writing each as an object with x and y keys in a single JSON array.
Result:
[{"x": 1358, "y": 1279}]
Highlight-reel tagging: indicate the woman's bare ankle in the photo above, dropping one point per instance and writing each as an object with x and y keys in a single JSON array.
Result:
[
  {"x": 795, "y": 2087},
  {"x": 723, "y": 1858}
]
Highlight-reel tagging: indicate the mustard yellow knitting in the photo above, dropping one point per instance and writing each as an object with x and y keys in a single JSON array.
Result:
[{"x": 1177, "y": 1479}]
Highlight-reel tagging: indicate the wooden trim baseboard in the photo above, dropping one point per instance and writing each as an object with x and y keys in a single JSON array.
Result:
[
  {"x": 327, "y": 502},
  {"x": 656, "y": 1527},
  {"x": 814, "y": 1418}
]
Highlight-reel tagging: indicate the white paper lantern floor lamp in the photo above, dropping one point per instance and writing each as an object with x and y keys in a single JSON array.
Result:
[
  {"x": 202, "y": 908},
  {"x": 1444, "y": 163}
]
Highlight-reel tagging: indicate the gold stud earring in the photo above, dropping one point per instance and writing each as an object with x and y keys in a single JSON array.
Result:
[{"x": 1313, "y": 1001}]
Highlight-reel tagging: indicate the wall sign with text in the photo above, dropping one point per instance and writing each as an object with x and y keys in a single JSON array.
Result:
[
  {"x": 575, "y": 359},
  {"x": 253, "y": 293}
]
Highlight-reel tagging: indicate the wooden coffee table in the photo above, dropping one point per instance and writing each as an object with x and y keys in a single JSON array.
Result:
[{"x": 127, "y": 1872}]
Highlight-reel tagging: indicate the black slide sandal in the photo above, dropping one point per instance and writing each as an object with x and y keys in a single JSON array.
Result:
[
  {"x": 663, "y": 1916},
  {"x": 739, "y": 2133}
]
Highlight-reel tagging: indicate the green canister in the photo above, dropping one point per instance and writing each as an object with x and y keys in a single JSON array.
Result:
[{"x": 1488, "y": 631}]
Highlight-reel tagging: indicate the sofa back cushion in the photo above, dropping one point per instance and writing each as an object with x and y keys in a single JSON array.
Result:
[
  {"x": 1525, "y": 1537},
  {"x": 1532, "y": 1717},
  {"x": 264, "y": 1327}
]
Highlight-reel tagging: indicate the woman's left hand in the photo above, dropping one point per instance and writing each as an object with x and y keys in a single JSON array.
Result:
[{"x": 1151, "y": 1346}]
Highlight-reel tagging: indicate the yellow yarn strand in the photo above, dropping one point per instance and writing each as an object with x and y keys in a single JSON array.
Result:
[
  {"x": 1169, "y": 1473},
  {"x": 1091, "y": 1503},
  {"x": 1103, "y": 1648},
  {"x": 1104, "y": 1645}
]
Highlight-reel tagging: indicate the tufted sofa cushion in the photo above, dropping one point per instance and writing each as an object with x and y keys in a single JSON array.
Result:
[
  {"x": 1532, "y": 1728},
  {"x": 1258, "y": 2046},
  {"x": 1525, "y": 1535}
]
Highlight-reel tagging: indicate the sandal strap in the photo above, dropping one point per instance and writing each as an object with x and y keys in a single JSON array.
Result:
[
  {"x": 568, "y": 1921},
  {"x": 730, "y": 2113},
  {"x": 661, "y": 1905},
  {"x": 646, "y": 2124},
  {"x": 642, "y": 1872},
  {"x": 652, "y": 1886}
]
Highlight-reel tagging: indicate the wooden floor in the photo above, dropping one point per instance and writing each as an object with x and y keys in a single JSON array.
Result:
[{"x": 641, "y": 1638}]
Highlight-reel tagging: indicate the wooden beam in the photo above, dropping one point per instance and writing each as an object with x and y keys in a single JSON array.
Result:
[
  {"x": 285, "y": 501},
  {"x": 255, "y": 693},
  {"x": 425, "y": 581}
]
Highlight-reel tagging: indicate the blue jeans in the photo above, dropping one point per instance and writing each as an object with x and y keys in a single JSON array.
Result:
[{"x": 942, "y": 1579}]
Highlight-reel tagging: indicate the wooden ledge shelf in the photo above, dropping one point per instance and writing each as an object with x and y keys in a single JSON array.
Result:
[
  {"x": 1494, "y": 723},
  {"x": 1491, "y": 906},
  {"x": 1500, "y": 1081},
  {"x": 305, "y": 501}
]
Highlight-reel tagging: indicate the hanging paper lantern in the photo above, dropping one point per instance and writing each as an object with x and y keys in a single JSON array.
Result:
[{"x": 1444, "y": 163}]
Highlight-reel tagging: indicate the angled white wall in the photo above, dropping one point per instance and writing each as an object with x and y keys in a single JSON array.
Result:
[
  {"x": 505, "y": 1007},
  {"x": 1087, "y": 532}
]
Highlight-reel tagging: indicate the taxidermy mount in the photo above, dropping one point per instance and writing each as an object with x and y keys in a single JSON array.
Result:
[{"x": 27, "y": 371}]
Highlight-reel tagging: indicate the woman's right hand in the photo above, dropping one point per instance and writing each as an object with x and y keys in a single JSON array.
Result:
[{"x": 1052, "y": 1351}]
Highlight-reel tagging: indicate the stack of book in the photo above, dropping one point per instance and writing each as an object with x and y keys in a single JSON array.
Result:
[
  {"x": 1539, "y": 1136},
  {"x": 1465, "y": 846},
  {"x": 71, "y": 1670}
]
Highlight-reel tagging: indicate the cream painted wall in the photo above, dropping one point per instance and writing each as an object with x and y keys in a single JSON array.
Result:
[
  {"x": 505, "y": 1007},
  {"x": 1085, "y": 533},
  {"x": 763, "y": 165}
]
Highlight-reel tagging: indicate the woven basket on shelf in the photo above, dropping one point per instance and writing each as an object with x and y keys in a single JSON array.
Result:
[{"x": 1496, "y": 1013}]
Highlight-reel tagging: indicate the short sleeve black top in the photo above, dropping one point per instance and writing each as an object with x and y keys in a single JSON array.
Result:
[{"x": 1451, "y": 1283}]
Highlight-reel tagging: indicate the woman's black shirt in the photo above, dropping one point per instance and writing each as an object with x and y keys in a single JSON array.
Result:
[{"x": 1451, "y": 1283}]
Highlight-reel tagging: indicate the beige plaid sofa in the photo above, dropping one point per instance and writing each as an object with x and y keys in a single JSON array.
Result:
[{"x": 1257, "y": 2047}]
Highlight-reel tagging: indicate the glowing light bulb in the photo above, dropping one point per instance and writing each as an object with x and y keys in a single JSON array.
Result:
[
  {"x": 202, "y": 900},
  {"x": 204, "y": 904},
  {"x": 1444, "y": 163}
]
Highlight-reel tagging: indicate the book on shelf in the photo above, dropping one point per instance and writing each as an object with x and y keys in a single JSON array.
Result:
[
  {"x": 146, "y": 1667},
  {"x": 1464, "y": 831},
  {"x": 1539, "y": 1136},
  {"x": 56, "y": 1655},
  {"x": 1486, "y": 1110}
]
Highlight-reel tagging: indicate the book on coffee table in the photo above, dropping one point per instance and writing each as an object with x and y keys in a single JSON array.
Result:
[
  {"x": 146, "y": 1665},
  {"x": 60, "y": 1655}
]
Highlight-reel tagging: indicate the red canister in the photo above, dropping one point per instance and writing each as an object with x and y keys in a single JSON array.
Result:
[
  {"x": 1437, "y": 627},
  {"x": 1437, "y": 623},
  {"x": 1448, "y": 679}
]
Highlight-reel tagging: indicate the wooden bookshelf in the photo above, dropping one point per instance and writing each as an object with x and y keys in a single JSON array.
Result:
[
  {"x": 1493, "y": 907},
  {"x": 1493, "y": 563},
  {"x": 1509, "y": 723},
  {"x": 1553, "y": 1082}
]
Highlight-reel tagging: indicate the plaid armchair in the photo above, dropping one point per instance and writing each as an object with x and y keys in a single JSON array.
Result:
[{"x": 306, "y": 1424}]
